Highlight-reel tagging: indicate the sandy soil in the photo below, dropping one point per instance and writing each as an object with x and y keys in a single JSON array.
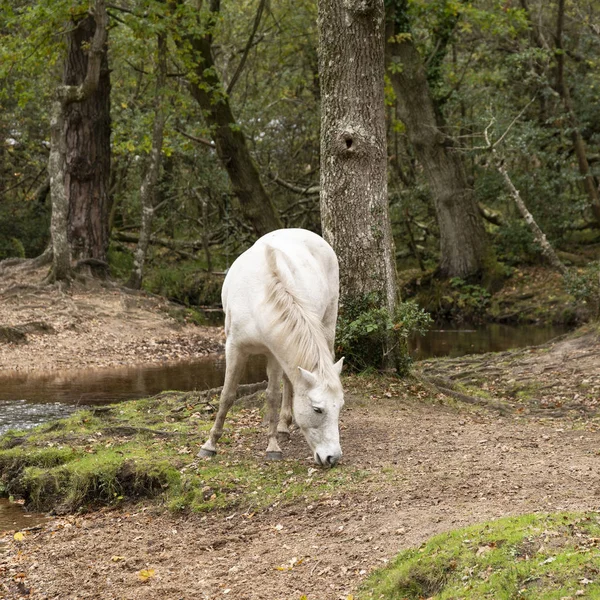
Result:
[
  {"x": 431, "y": 466},
  {"x": 94, "y": 326}
]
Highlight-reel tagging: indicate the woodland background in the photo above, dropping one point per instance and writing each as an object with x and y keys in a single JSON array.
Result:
[{"x": 519, "y": 75}]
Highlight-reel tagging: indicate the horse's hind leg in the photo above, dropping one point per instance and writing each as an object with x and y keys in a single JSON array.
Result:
[
  {"x": 273, "y": 403},
  {"x": 285, "y": 417},
  {"x": 234, "y": 364}
]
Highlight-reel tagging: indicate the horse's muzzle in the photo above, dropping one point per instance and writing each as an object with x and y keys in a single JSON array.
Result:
[{"x": 328, "y": 461}]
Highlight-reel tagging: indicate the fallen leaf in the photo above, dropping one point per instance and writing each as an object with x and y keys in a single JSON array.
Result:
[
  {"x": 19, "y": 536},
  {"x": 117, "y": 558},
  {"x": 146, "y": 574}
]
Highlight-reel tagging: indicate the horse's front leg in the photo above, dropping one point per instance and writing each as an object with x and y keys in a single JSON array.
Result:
[
  {"x": 273, "y": 404},
  {"x": 285, "y": 417},
  {"x": 235, "y": 361}
]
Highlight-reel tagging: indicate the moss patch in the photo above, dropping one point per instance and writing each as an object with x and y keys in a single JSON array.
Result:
[
  {"x": 532, "y": 557},
  {"x": 147, "y": 449}
]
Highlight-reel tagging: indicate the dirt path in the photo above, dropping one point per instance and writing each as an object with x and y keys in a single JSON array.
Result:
[{"x": 430, "y": 468}]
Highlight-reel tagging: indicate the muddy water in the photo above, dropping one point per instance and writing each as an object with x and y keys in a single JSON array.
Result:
[
  {"x": 453, "y": 341},
  {"x": 12, "y": 516},
  {"x": 28, "y": 399}
]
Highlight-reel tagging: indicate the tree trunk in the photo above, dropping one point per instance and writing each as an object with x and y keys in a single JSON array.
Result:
[
  {"x": 464, "y": 247},
  {"x": 589, "y": 182},
  {"x": 354, "y": 203},
  {"x": 207, "y": 89},
  {"x": 65, "y": 96},
  {"x": 150, "y": 181},
  {"x": 538, "y": 235},
  {"x": 87, "y": 138}
]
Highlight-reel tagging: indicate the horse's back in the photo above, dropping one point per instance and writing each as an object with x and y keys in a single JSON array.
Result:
[{"x": 305, "y": 263}]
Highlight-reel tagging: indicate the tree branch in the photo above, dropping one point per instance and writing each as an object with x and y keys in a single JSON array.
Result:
[{"x": 238, "y": 71}]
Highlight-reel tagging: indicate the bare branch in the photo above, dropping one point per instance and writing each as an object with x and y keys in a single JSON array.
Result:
[
  {"x": 238, "y": 71},
  {"x": 312, "y": 190}
]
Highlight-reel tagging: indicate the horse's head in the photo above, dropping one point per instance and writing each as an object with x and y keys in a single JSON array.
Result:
[{"x": 317, "y": 404}]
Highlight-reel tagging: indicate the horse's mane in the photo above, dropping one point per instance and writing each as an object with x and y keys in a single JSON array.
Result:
[{"x": 298, "y": 329}]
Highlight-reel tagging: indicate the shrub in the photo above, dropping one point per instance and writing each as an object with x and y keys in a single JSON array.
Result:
[
  {"x": 584, "y": 284},
  {"x": 367, "y": 334}
]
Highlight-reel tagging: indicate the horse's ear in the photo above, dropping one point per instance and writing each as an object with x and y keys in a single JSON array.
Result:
[
  {"x": 308, "y": 377},
  {"x": 338, "y": 365}
]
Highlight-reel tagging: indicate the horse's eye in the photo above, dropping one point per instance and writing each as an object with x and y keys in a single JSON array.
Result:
[{"x": 317, "y": 409}]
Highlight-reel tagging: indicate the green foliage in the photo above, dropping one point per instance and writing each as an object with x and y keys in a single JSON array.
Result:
[
  {"x": 120, "y": 261},
  {"x": 366, "y": 333},
  {"x": 23, "y": 229},
  {"x": 534, "y": 557},
  {"x": 453, "y": 300},
  {"x": 471, "y": 298},
  {"x": 515, "y": 244},
  {"x": 584, "y": 285},
  {"x": 187, "y": 284}
]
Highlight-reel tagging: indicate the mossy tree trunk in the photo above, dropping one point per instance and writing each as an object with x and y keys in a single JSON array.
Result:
[
  {"x": 354, "y": 201},
  {"x": 207, "y": 89},
  {"x": 590, "y": 183}
]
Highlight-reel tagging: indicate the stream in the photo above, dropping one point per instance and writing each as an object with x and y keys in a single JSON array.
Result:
[{"x": 28, "y": 399}]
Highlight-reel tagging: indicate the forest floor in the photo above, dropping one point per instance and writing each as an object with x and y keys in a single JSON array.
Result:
[
  {"x": 464, "y": 441},
  {"x": 92, "y": 325}
]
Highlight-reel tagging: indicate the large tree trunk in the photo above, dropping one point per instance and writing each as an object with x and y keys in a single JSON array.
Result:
[
  {"x": 207, "y": 89},
  {"x": 87, "y": 138},
  {"x": 151, "y": 176},
  {"x": 65, "y": 96},
  {"x": 464, "y": 246},
  {"x": 354, "y": 202}
]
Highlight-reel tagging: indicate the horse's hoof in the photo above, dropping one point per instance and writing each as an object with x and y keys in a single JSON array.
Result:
[
  {"x": 206, "y": 453},
  {"x": 284, "y": 436},
  {"x": 275, "y": 455}
]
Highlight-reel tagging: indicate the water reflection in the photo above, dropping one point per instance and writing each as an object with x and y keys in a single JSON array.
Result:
[
  {"x": 12, "y": 516},
  {"x": 453, "y": 341},
  {"x": 28, "y": 399}
]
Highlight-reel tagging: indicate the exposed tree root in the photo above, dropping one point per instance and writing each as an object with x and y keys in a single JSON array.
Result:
[{"x": 442, "y": 386}]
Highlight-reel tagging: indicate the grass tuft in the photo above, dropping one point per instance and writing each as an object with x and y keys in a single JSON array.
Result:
[{"x": 532, "y": 557}]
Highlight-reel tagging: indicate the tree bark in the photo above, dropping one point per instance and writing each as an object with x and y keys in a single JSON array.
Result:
[
  {"x": 66, "y": 95},
  {"x": 354, "y": 202},
  {"x": 87, "y": 138},
  {"x": 207, "y": 89},
  {"x": 151, "y": 177},
  {"x": 464, "y": 247}
]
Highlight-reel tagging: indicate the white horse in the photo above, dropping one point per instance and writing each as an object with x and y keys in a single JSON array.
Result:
[{"x": 280, "y": 299}]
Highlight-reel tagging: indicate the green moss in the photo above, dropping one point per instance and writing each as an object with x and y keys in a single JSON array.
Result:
[
  {"x": 146, "y": 449},
  {"x": 532, "y": 557}
]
